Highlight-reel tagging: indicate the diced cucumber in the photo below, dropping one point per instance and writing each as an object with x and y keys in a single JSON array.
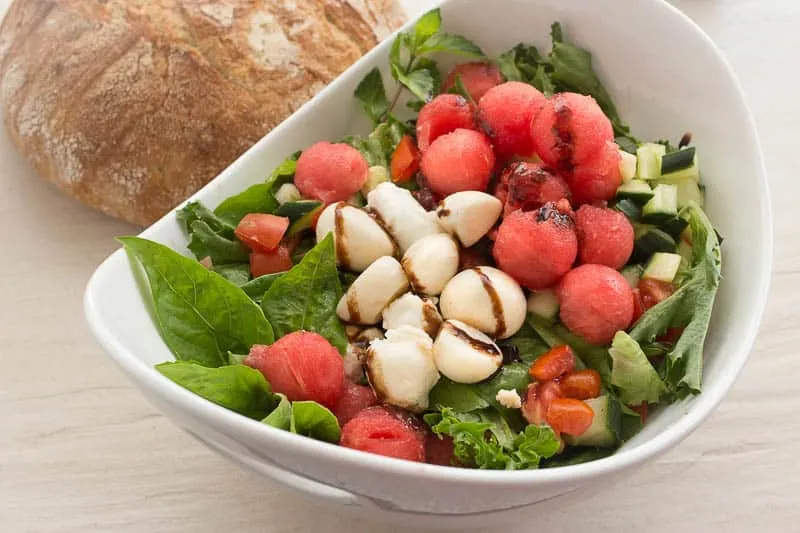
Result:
[
  {"x": 605, "y": 425},
  {"x": 648, "y": 160},
  {"x": 678, "y": 160},
  {"x": 296, "y": 210},
  {"x": 690, "y": 173},
  {"x": 304, "y": 222},
  {"x": 662, "y": 267},
  {"x": 377, "y": 175},
  {"x": 288, "y": 193},
  {"x": 637, "y": 191},
  {"x": 629, "y": 209},
  {"x": 627, "y": 165},
  {"x": 544, "y": 303},
  {"x": 662, "y": 206},
  {"x": 689, "y": 191},
  {"x": 632, "y": 274},
  {"x": 652, "y": 241},
  {"x": 674, "y": 227}
]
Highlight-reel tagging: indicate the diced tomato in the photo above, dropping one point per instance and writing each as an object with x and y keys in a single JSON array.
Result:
[
  {"x": 537, "y": 401},
  {"x": 654, "y": 291},
  {"x": 555, "y": 363},
  {"x": 638, "y": 306},
  {"x": 279, "y": 260},
  {"x": 405, "y": 160},
  {"x": 642, "y": 409},
  {"x": 439, "y": 451},
  {"x": 570, "y": 416},
  {"x": 262, "y": 232},
  {"x": 581, "y": 384}
]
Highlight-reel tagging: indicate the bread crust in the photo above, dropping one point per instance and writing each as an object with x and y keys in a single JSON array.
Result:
[{"x": 132, "y": 105}]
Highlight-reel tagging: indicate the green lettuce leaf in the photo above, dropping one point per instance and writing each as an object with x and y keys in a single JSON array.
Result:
[
  {"x": 632, "y": 375},
  {"x": 281, "y": 416},
  {"x": 313, "y": 420}
]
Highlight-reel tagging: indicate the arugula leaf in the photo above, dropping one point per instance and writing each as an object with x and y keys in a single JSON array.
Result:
[
  {"x": 200, "y": 315},
  {"x": 313, "y": 420},
  {"x": 236, "y": 273},
  {"x": 481, "y": 440},
  {"x": 256, "y": 288},
  {"x": 239, "y": 388},
  {"x": 305, "y": 298},
  {"x": 632, "y": 375},
  {"x": 452, "y": 43},
  {"x": 689, "y": 306},
  {"x": 196, "y": 211},
  {"x": 281, "y": 416},
  {"x": 204, "y": 242},
  {"x": 372, "y": 95}
]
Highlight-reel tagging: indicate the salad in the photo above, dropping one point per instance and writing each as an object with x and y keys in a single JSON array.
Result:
[{"x": 499, "y": 276}]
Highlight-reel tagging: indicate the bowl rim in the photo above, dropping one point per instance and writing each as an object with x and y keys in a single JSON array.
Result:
[{"x": 209, "y": 413}]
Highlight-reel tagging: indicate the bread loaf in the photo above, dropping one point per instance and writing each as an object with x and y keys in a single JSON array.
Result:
[{"x": 132, "y": 105}]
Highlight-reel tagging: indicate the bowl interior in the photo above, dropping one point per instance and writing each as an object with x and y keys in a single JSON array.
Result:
[{"x": 666, "y": 78}]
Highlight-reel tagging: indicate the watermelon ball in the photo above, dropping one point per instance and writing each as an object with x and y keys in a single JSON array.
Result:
[
  {"x": 385, "y": 432},
  {"x": 596, "y": 179},
  {"x": 459, "y": 161},
  {"x": 605, "y": 236},
  {"x": 444, "y": 114},
  {"x": 477, "y": 78},
  {"x": 506, "y": 112},
  {"x": 569, "y": 130},
  {"x": 330, "y": 172},
  {"x": 596, "y": 302},
  {"x": 439, "y": 450},
  {"x": 303, "y": 366},
  {"x": 355, "y": 399},
  {"x": 528, "y": 186},
  {"x": 537, "y": 248}
]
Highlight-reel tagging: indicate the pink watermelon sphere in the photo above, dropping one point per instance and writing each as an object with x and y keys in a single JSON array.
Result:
[
  {"x": 330, "y": 172},
  {"x": 506, "y": 112},
  {"x": 444, "y": 114},
  {"x": 459, "y": 161},
  {"x": 477, "y": 77},
  {"x": 605, "y": 236}
]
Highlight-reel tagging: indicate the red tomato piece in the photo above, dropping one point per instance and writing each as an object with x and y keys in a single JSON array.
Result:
[
  {"x": 459, "y": 161},
  {"x": 444, "y": 114},
  {"x": 642, "y": 410},
  {"x": 262, "y": 232},
  {"x": 506, "y": 112},
  {"x": 477, "y": 77},
  {"x": 638, "y": 306},
  {"x": 553, "y": 364},
  {"x": 528, "y": 186},
  {"x": 330, "y": 172},
  {"x": 384, "y": 432},
  {"x": 303, "y": 366},
  {"x": 538, "y": 398},
  {"x": 570, "y": 416},
  {"x": 279, "y": 260},
  {"x": 355, "y": 399},
  {"x": 596, "y": 179},
  {"x": 654, "y": 291},
  {"x": 596, "y": 302},
  {"x": 605, "y": 236},
  {"x": 581, "y": 384},
  {"x": 537, "y": 248},
  {"x": 405, "y": 160},
  {"x": 439, "y": 451}
]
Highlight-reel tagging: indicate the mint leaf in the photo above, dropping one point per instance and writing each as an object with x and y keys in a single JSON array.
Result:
[
  {"x": 204, "y": 242},
  {"x": 305, "y": 298},
  {"x": 520, "y": 63},
  {"x": 461, "y": 90},
  {"x": 378, "y": 146},
  {"x": 281, "y": 416},
  {"x": 313, "y": 420},
  {"x": 239, "y": 388},
  {"x": 372, "y": 95},
  {"x": 428, "y": 24},
  {"x": 632, "y": 375},
  {"x": 200, "y": 315},
  {"x": 423, "y": 82},
  {"x": 451, "y": 43}
]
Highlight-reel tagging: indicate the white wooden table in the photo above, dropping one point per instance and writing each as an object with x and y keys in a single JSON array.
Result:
[{"x": 80, "y": 449}]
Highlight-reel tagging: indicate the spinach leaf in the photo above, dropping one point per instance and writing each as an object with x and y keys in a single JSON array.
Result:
[
  {"x": 256, "y": 288},
  {"x": 313, "y": 420},
  {"x": 200, "y": 315},
  {"x": 237, "y": 387},
  {"x": 632, "y": 375},
  {"x": 306, "y": 297},
  {"x": 281, "y": 416},
  {"x": 466, "y": 398},
  {"x": 529, "y": 345},
  {"x": 689, "y": 306},
  {"x": 236, "y": 273},
  {"x": 372, "y": 95},
  {"x": 204, "y": 242},
  {"x": 196, "y": 211}
]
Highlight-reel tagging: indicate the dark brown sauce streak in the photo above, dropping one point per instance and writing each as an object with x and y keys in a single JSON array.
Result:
[
  {"x": 563, "y": 134},
  {"x": 339, "y": 236},
  {"x": 413, "y": 280},
  {"x": 497, "y": 304},
  {"x": 475, "y": 343},
  {"x": 382, "y": 223},
  {"x": 352, "y": 307},
  {"x": 431, "y": 318}
]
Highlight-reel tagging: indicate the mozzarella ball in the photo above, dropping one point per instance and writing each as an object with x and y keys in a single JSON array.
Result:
[
  {"x": 411, "y": 310},
  {"x": 487, "y": 299},
  {"x": 469, "y": 215},
  {"x": 430, "y": 263},
  {"x": 374, "y": 289},
  {"x": 359, "y": 239},
  {"x": 402, "y": 216},
  {"x": 400, "y": 368},
  {"x": 464, "y": 354}
]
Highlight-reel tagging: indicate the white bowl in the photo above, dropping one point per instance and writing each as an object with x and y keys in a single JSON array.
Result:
[{"x": 667, "y": 77}]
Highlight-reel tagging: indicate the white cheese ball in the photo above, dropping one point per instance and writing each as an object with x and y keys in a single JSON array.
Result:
[
  {"x": 430, "y": 263},
  {"x": 411, "y": 310},
  {"x": 402, "y": 216},
  {"x": 469, "y": 215},
  {"x": 375, "y": 288},
  {"x": 359, "y": 239},
  {"x": 487, "y": 299},
  {"x": 464, "y": 354},
  {"x": 400, "y": 368}
]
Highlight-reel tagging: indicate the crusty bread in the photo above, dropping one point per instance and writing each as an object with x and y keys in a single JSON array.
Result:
[{"x": 132, "y": 105}]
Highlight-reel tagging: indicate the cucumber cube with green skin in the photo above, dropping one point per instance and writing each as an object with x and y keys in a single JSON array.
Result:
[
  {"x": 638, "y": 191},
  {"x": 377, "y": 174},
  {"x": 627, "y": 165},
  {"x": 662, "y": 206},
  {"x": 648, "y": 158},
  {"x": 605, "y": 425},
  {"x": 662, "y": 267}
]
